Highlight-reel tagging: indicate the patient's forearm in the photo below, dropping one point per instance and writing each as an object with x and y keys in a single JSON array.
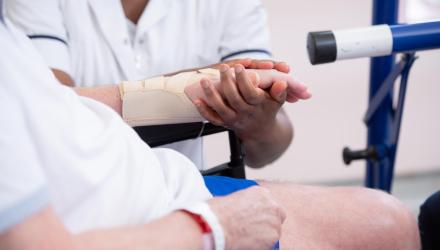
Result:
[
  {"x": 44, "y": 231},
  {"x": 168, "y": 100},
  {"x": 107, "y": 94},
  {"x": 175, "y": 231}
]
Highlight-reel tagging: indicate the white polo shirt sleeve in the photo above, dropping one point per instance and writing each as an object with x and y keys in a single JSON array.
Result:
[
  {"x": 42, "y": 22},
  {"x": 22, "y": 183},
  {"x": 245, "y": 32}
]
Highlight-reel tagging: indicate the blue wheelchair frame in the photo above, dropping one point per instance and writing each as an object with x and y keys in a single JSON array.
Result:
[{"x": 382, "y": 119}]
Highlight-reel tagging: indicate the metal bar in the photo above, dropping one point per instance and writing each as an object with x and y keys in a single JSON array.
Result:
[
  {"x": 393, "y": 145},
  {"x": 217, "y": 170},
  {"x": 372, "y": 41},
  {"x": 236, "y": 167},
  {"x": 415, "y": 37},
  {"x": 236, "y": 164},
  {"x": 384, "y": 12},
  {"x": 382, "y": 93}
]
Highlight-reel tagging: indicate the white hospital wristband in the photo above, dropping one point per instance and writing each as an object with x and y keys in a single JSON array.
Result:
[{"x": 203, "y": 209}]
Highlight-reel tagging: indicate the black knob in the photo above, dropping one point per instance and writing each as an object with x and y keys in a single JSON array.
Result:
[{"x": 349, "y": 155}]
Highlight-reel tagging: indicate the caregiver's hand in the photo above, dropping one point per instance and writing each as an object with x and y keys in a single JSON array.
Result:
[{"x": 250, "y": 106}]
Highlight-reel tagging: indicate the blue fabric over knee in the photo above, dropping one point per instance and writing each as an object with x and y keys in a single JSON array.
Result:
[{"x": 221, "y": 186}]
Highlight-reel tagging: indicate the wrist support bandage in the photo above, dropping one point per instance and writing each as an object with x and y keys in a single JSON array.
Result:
[{"x": 162, "y": 100}]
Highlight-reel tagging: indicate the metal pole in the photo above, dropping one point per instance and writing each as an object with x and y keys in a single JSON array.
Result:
[{"x": 384, "y": 12}]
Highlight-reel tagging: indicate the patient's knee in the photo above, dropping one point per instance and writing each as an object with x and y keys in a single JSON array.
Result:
[{"x": 395, "y": 220}]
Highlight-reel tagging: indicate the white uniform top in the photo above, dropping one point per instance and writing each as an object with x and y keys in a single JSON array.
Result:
[
  {"x": 90, "y": 39},
  {"x": 92, "y": 165}
]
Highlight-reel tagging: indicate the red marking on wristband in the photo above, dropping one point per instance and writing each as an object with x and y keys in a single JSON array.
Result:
[{"x": 203, "y": 225}]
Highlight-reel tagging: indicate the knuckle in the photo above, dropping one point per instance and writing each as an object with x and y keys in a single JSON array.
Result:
[
  {"x": 217, "y": 122},
  {"x": 263, "y": 194},
  {"x": 217, "y": 105},
  {"x": 227, "y": 116},
  {"x": 235, "y": 103},
  {"x": 245, "y": 110},
  {"x": 274, "y": 209},
  {"x": 257, "y": 191},
  {"x": 232, "y": 117},
  {"x": 253, "y": 98},
  {"x": 222, "y": 113},
  {"x": 208, "y": 92}
]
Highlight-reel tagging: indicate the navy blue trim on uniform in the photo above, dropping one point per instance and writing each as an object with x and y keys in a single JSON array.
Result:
[
  {"x": 47, "y": 37},
  {"x": 245, "y": 52}
]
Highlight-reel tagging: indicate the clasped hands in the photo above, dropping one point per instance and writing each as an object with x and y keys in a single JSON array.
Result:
[{"x": 248, "y": 95}]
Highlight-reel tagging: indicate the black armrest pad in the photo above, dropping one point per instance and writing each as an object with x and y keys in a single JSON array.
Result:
[{"x": 159, "y": 135}]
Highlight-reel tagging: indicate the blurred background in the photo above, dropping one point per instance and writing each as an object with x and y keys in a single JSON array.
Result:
[{"x": 332, "y": 119}]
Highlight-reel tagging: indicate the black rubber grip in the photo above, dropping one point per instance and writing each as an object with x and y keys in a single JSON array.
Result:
[{"x": 321, "y": 47}]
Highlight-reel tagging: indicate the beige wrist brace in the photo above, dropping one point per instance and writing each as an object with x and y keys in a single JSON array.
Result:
[{"x": 162, "y": 100}]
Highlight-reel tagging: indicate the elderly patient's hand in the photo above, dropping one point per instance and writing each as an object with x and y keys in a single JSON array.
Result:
[
  {"x": 241, "y": 104},
  {"x": 251, "y": 219}
]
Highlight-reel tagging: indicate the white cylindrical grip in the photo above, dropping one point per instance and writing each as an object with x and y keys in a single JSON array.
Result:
[{"x": 363, "y": 42}]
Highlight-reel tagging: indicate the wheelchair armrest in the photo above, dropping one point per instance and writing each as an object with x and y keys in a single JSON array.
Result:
[{"x": 159, "y": 135}]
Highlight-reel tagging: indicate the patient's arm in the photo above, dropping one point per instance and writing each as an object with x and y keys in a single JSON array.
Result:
[
  {"x": 44, "y": 231},
  {"x": 176, "y": 230},
  {"x": 110, "y": 94},
  {"x": 107, "y": 94}
]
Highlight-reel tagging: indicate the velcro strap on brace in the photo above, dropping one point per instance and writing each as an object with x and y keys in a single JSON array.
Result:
[{"x": 162, "y": 100}]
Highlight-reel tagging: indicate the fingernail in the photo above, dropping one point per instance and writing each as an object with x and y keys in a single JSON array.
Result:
[
  {"x": 205, "y": 84},
  {"x": 238, "y": 69},
  {"x": 224, "y": 68}
]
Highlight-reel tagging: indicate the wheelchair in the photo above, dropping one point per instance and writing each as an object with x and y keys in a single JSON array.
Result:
[{"x": 159, "y": 135}]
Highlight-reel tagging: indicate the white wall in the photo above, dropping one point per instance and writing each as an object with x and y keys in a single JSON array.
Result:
[{"x": 332, "y": 118}]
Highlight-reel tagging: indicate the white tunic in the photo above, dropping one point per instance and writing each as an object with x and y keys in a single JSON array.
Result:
[{"x": 90, "y": 39}]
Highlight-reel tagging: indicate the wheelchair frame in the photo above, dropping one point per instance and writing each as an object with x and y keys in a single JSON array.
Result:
[{"x": 382, "y": 119}]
